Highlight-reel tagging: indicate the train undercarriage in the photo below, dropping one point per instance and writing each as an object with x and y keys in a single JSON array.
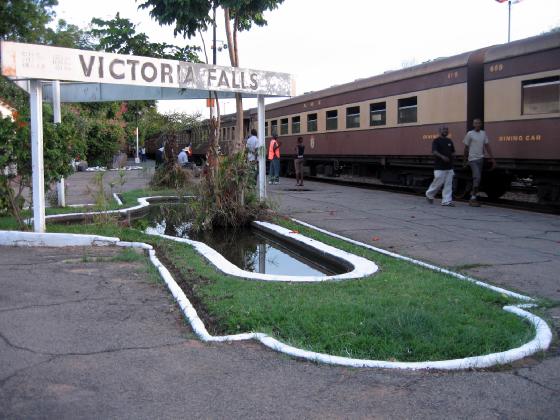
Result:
[{"x": 415, "y": 173}]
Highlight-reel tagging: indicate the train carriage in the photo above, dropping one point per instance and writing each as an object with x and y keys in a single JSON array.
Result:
[
  {"x": 382, "y": 126},
  {"x": 522, "y": 110}
]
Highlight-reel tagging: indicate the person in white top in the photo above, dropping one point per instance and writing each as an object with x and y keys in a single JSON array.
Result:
[
  {"x": 183, "y": 159},
  {"x": 476, "y": 142},
  {"x": 252, "y": 152}
]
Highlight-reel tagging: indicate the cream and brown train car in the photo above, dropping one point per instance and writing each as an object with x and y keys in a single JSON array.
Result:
[
  {"x": 522, "y": 111},
  {"x": 383, "y": 126}
]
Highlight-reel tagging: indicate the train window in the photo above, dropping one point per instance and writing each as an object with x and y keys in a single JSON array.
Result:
[
  {"x": 332, "y": 119},
  {"x": 541, "y": 96},
  {"x": 353, "y": 117},
  {"x": 274, "y": 128},
  {"x": 284, "y": 126},
  {"x": 296, "y": 125},
  {"x": 377, "y": 114},
  {"x": 266, "y": 128},
  {"x": 408, "y": 108},
  {"x": 311, "y": 122}
]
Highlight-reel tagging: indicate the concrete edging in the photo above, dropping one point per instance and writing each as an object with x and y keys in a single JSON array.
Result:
[{"x": 540, "y": 342}]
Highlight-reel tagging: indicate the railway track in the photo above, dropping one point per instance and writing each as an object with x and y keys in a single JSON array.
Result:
[{"x": 504, "y": 203}]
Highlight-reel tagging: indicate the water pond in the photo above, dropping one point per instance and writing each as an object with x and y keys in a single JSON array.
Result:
[{"x": 249, "y": 248}]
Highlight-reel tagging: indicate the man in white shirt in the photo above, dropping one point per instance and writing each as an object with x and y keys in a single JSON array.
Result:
[
  {"x": 183, "y": 158},
  {"x": 253, "y": 153},
  {"x": 252, "y": 145},
  {"x": 476, "y": 141}
]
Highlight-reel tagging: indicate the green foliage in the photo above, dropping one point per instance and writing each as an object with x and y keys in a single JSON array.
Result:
[
  {"x": 119, "y": 35},
  {"x": 25, "y": 20},
  {"x": 69, "y": 36},
  {"x": 227, "y": 196},
  {"x": 190, "y": 17},
  {"x": 104, "y": 139},
  {"x": 171, "y": 174}
]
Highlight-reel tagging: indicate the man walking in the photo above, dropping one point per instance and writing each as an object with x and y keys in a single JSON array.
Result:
[
  {"x": 274, "y": 158},
  {"x": 442, "y": 149},
  {"x": 476, "y": 142}
]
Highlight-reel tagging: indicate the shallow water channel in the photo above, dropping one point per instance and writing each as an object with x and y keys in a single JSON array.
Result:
[{"x": 248, "y": 248}]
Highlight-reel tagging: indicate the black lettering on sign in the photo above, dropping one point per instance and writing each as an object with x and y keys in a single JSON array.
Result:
[
  {"x": 254, "y": 83},
  {"x": 115, "y": 75},
  {"x": 87, "y": 67},
  {"x": 133, "y": 64},
  {"x": 144, "y": 73},
  {"x": 100, "y": 59},
  {"x": 223, "y": 79},
  {"x": 166, "y": 71},
  {"x": 243, "y": 85},
  {"x": 233, "y": 82}
]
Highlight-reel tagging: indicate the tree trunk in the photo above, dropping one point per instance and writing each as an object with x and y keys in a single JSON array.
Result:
[{"x": 234, "y": 59}]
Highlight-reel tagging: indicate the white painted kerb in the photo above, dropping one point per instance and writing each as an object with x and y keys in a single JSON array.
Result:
[{"x": 540, "y": 342}]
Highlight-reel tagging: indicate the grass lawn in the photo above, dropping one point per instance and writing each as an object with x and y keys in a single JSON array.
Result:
[{"x": 403, "y": 313}]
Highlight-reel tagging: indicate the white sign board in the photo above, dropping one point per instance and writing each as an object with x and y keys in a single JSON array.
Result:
[{"x": 29, "y": 61}]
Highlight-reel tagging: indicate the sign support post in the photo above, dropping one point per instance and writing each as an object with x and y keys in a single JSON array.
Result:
[
  {"x": 36, "y": 105},
  {"x": 262, "y": 147},
  {"x": 58, "y": 119}
]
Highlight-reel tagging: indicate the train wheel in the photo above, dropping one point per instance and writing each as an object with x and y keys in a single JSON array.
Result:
[{"x": 495, "y": 185}]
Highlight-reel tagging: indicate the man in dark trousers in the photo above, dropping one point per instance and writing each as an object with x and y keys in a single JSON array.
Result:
[{"x": 442, "y": 149}]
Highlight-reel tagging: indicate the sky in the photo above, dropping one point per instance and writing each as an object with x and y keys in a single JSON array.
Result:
[{"x": 329, "y": 42}]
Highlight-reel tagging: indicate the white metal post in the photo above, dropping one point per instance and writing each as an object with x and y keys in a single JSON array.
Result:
[
  {"x": 262, "y": 144},
  {"x": 36, "y": 105},
  {"x": 137, "y": 158},
  {"x": 57, "y": 119}
]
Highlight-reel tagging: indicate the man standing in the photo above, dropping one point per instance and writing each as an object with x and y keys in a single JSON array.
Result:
[
  {"x": 298, "y": 161},
  {"x": 252, "y": 153},
  {"x": 476, "y": 142},
  {"x": 442, "y": 149},
  {"x": 274, "y": 158}
]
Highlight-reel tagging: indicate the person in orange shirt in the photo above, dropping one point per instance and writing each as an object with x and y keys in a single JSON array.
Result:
[{"x": 274, "y": 158}]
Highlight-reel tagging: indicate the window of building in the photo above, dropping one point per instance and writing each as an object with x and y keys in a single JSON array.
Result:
[
  {"x": 332, "y": 119},
  {"x": 311, "y": 122},
  {"x": 541, "y": 96},
  {"x": 296, "y": 125},
  {"x": 284, "y": 126},
  {"x": 377, "y": 114},
  {"x": 408, "y": 110},
  {"x": 353, "y": 117},
  {"x": 274, "y": 128}
]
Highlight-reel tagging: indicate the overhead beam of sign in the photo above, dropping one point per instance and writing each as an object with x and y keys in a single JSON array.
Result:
[{"x": 97, "y": 76}]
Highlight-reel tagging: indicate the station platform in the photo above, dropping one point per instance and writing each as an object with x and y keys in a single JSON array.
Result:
[{"x": 515, "y": 249}]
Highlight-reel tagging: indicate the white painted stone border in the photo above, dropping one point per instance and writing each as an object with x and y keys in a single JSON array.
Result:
[
  {"x": 540, "y": 342},
  {"x": 362, "y": 266}
]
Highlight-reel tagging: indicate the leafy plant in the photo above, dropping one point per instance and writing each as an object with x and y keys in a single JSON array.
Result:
[{"x": 227, "y": 196}]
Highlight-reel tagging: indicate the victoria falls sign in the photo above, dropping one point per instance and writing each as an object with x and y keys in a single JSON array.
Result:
[{"x": 29, "y": 61}]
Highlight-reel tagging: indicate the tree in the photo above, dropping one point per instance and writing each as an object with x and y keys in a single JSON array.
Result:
[
  {"x": 119, "y": 35},
  {"x": 69, "y": 36},
  {"x": 62, "y": 142},
  {"x": 189, "y": 18},
  {"x": 25, "y": 20}
]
